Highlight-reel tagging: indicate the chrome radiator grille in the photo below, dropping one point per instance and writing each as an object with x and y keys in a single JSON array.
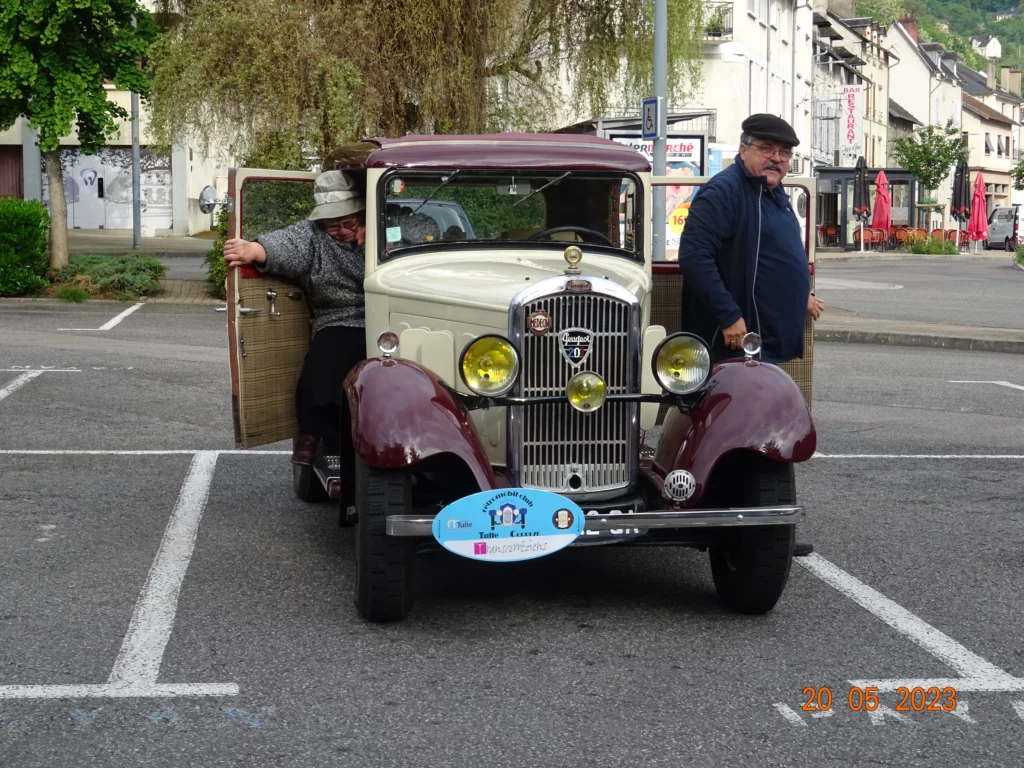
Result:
[{"x": 559, "y": 448}]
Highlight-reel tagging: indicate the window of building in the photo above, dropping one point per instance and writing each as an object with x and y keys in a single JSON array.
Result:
[
  {"x": 988, "y": 144},
  {"x": 999, "y": 145},
  {"x": 762, "y": 10},
  {"x": 752, "y": 6}
]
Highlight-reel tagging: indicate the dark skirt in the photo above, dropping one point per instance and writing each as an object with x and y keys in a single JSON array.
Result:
[{"x": 320, "y": 403}]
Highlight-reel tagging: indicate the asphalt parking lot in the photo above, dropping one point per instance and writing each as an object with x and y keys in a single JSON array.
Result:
[{"x": 167, "y": 601}]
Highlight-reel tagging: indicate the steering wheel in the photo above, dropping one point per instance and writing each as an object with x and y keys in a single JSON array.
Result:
[{"x": 571, "y": 228}]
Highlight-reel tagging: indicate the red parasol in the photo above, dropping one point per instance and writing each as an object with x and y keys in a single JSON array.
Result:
[
  {"x": 977, "y": 229},
  {"x": 883, "y": 204}
]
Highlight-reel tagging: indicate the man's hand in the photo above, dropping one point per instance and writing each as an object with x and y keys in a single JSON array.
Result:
[
  {"x": 734, "y": 333},
  {"x": 361, "y": 236},
  {"x": 815, "y": 306},
  {"x": 239, "y": 252}
]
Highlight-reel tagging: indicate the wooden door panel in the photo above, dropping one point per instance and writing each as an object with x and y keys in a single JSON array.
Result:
[{"x": 267, "y": 350}]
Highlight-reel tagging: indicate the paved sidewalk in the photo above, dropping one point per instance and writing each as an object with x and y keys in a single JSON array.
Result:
[
  {"x": 185, "y": 292},
  {"x": 822, "y": 254},
  {"x": 118, "y": 242},
  {"x": 865, "y": 330}
]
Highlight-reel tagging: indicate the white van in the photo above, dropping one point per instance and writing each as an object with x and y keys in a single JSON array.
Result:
[{"x": 1003, "y": 226}]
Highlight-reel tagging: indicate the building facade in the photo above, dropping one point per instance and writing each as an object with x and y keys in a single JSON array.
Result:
[{"x": 98, "y": 188}]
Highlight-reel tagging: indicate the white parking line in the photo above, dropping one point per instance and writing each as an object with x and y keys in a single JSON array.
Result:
[
  {"x": 110, "y": 323},
  {"x": 787, "y": 712},
  {"x": 138, "y": 663},
  {"x": 997, "y": 383},
  {"x": 978, "y": 674},
  {"x": 18, "y": 383}
]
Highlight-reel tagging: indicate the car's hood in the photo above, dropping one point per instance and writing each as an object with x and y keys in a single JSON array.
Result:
[{"x": 490, "y": 279}]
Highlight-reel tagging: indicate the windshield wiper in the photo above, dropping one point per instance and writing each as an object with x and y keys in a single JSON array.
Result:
[
  {"x": 440, "y": 186},
  {"x": 554, "y": 181}
]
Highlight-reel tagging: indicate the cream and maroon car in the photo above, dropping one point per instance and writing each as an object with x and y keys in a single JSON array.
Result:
[{"x": 510, "y": 293}]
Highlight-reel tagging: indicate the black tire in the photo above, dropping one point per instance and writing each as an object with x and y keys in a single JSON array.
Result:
[
  {"x": 385, "y": 583},
  {"x": 307, "y": 485},
  {"x": 750, "y": 566},
  {"x": 1006, "y": 245},
  {"x": 984, "y": 245}
]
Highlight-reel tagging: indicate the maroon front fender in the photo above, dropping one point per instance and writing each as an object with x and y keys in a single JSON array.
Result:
[
  {"x": 401, "y": 415},
  {"x": 753, "y": 406}
]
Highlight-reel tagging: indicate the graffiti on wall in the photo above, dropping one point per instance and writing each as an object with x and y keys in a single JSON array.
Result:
[{"x": 98, "y": 188}]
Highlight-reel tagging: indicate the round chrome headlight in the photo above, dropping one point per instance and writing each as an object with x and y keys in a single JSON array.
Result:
[
  {"x": 682, "y": 363},
  {"x": 489, "y": 365},
  {"x": 586, "y": 391}
]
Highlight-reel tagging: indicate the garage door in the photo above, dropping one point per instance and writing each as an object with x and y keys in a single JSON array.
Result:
[{"x": 11, "y": 172}]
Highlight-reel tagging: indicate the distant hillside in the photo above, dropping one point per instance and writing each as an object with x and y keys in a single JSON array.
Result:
[{"x": 964, "y": 20}]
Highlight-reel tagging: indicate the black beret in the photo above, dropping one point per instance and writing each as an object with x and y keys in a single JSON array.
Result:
[{"x": 770, "y": 127}]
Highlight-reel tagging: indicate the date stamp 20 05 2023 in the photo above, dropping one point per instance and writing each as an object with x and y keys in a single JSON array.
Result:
[{"x": 910, "y": 699}]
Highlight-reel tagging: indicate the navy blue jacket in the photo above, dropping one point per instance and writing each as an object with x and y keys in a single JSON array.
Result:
[{"x": 726, "y": 275}]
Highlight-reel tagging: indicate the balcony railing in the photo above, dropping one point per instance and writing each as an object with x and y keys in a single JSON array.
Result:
[
  {"x": 1016, "y": 155},
  {"x": 718, "y": 21}
]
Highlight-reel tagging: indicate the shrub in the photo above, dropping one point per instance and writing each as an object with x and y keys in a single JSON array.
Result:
[
  {"x": 216, "y": 266},
  {"x": 73, "y": 293},
  {"x": 1020, "y": 255},
  {"x": 23, "y": 261},
  {"x": 124, "y": 277},
  {"x": 934, "y": 245}
]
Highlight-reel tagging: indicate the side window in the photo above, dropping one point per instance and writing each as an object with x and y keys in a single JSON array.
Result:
[{"x": 269, "y": 204}]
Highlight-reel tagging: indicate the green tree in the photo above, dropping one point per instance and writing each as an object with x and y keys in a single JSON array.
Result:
[
  {"x": 55, "y": 56},
  {"x": 321, "y": 73},
  {"x": 931, "y": 153}
]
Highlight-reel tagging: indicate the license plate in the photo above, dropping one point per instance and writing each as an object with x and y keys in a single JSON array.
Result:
[{"x": 625, "y": 512}]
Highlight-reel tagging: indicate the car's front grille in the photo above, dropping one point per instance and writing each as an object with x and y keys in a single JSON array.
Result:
[{"x": 562, "y": 449}]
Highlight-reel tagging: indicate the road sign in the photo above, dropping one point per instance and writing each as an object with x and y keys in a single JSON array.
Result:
[{"x": 650, "y": 119}]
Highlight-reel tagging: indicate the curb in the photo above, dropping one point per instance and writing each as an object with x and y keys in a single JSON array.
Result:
[
  {"x": 893, "y": 256},
  {"x": 902, "y": 339},
  {"x": 1018, "y": 265}
]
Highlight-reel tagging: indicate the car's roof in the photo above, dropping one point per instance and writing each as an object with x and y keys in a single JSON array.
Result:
[{"x": 519, "y": 151}]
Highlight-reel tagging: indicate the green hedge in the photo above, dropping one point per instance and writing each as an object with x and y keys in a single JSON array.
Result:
[
  {"x": 23, "y": 260},
  {"x": 934, "y": 245},
  {"x": 216, "y": 266},
  {"x": 123, "y": 277}
]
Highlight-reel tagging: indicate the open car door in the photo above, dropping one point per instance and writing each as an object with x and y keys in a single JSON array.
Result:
[
  {"x": 268, "y": 318},
  {"x": 666, "y": 299}
]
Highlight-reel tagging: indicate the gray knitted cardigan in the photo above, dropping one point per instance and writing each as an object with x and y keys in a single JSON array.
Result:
[{"x": 328, "y": 271}]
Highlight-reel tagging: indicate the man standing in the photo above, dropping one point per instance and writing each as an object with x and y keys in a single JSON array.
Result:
[{"x": 744, "y": 266}]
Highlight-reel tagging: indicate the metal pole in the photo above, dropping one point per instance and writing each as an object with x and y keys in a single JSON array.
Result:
[
  {"x": 136, "y": 180},
  {"x": 661, "y": 93}
]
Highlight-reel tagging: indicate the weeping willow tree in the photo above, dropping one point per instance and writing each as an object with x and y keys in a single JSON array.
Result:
[{"x": 306, "y": 75}]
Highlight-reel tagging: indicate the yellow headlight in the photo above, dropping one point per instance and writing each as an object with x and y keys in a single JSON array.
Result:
[
  {"x": 489, "y": 366},
  {"x": 682, "y": 363},
  {"x": 586, "y": 391}
]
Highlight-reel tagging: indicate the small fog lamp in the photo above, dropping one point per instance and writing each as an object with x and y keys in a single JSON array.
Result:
[
  {"x": 489, "y": 365},
  {"x": 751, "y": 344},
  {"x": 387, "y": 343},
  {"x": 682, "y": 363},
  {"x": 586, "y": 391}
]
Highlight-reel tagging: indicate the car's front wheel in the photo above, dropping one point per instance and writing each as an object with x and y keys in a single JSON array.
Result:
[
  {"x": 385, "y": 584},
  {"x": 751, "y": 565}
]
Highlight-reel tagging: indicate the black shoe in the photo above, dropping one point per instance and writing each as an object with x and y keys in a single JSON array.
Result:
[{"x": 802, "y": 550}]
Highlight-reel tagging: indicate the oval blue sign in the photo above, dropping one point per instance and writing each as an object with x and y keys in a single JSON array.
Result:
[{"x": 509, "y": 524}]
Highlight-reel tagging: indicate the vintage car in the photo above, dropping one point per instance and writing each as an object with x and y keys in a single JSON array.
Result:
[{"x": 517, "y": 350}]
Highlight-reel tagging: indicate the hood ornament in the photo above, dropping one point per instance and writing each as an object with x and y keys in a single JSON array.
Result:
[{"x": 573, "y": 256}]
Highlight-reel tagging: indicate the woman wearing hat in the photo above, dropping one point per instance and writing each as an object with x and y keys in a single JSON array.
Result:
[{"x": 324, "y": 256}]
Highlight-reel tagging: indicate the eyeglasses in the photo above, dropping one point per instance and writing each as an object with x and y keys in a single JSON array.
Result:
[{"x": 764, "y": 149}]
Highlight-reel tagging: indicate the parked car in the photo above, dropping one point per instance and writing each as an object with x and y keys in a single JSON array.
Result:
[
  {"x": 1003, "y": 227},
  {"x": 516, "y": 373}
]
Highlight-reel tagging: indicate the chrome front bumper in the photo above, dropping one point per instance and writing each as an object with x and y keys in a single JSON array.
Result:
[{"x": 422, "y": 525}]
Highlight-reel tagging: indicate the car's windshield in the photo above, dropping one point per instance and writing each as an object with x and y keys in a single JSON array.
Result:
[{"x": 490, "y": 208}]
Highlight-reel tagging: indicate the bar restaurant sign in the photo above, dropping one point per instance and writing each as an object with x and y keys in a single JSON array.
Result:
[{"x": 851, "y": 124}]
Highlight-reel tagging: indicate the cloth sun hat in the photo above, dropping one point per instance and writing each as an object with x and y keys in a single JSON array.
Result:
[
  {"x": 336, "y": 195},
  {"x": 771, "y": 128}
]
